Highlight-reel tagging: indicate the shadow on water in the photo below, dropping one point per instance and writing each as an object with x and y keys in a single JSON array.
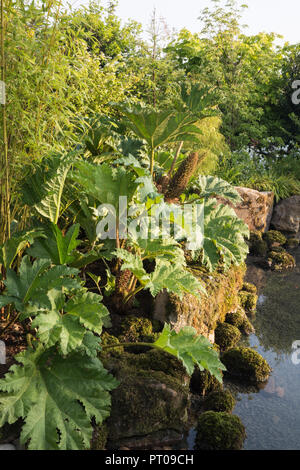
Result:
[{"x": 272, "y": 415}]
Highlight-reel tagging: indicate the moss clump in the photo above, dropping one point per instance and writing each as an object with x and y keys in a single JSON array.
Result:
[
  {"x": 235, "y": 319},
  {"x": 227, "y": 336},
  {"x": 281, "y": 261},
  {"x": 274, "y": 238},
  {"x": 292, "y": 243},
  {"x": 246, "y": 364},
  {"x": 158, "y": 361},
  {"x": 240, "y": 321},
  {"x": 109, "y": 340},
  {"x": 145, "y": 402},
  {"x": 219, "y": 431},
  {"x": 248, "y": 287},
  {"x": 248, "y": 301},
  {"x": 181, "y": 179},
  {"x": 202, "y": 382},
  {"x": 219, "y": 401},
  {"x": 99, "y": 439},
  {"x": 135, "y": 329},
  {"x": 258, "y": 246}
]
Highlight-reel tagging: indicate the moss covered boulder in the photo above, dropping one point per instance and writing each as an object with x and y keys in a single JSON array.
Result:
[
  {"x": 219, "y": 431},
  {"x": 240, "y": 320},
  {"x": 110, "y": 340},
  {"x": 246, "y": 364},
  {"x": 203, "y": 315},
  {"x": 292, "y": 243},
  {"x": 248, "y": 301},
  {"x": 280, "y": 261},
  {"x": 274, "y": 238},
  {"x": 135, "y": 328},
  {"x": 148, "y": 399},
  {"x": 257, "y": 246},
  {"x": 248, "y": 287},
  {"x": 99, "y": 439},
  {"x": 219, "y": 401},
  {"x": 202, "y": 382},
  {"x": 227, "y": 336}
]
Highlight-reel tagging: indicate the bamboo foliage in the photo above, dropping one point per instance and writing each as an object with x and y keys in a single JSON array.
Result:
[{"x": 4, "y": 163}]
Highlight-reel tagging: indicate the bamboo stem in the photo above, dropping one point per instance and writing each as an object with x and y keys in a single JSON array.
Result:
[{"x": 5, "y": 199}]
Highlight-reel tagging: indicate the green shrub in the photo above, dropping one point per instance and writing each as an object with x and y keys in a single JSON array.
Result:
[{"x": 248, "y": 301}]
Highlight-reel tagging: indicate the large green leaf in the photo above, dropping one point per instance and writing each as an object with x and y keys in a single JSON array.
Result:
[
  {"x": 162, "y": 127},
  {"x": 191, "y": 349},
  {"x": 14, "y": 245},
  {"x": 104, "y": 183},
  {"x": 224, "y": 236},
  {"x": 50, "y": 205},
  {"x": 175, "y": 279},
  {"x": 34, "y": 281},
  {"x": 208, "y": 186},
  {"x": 57, "y": 398},
  {"x": 57, "y": 247}
]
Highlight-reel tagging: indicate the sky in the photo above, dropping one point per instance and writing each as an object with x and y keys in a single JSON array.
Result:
[{"x": 279, "y": 16}]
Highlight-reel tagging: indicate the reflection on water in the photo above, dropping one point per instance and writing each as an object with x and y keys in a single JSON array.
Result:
[{"x": 272, "y": 414}]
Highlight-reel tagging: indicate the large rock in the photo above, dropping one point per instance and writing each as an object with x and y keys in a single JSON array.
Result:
[
  {"x": 222, "y": 298},
  {"x": 153, "y": 396},
  {"x": 286, "y": 216},
  {"x": 255, "y": 209}
]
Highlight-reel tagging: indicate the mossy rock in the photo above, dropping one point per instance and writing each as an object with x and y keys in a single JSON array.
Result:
[
  {"x": 135, "y": 328},
  {"x": 219, "y": 431},
  {"x": 292, "y": 243},
  {"x": 248, "y": 287},
  {"x": 248, "y": 302},
  {"x": 246, "y": 364},
  {"x": 203, "y": 382},
  {"x": 227, "y": 336},
  {"x": 109, "y": 340},
  {"x": 274, "y": 238},
  {"x": 159, "y": 361},
  {"x": 146, "y": 402},
  {"x": 239, "y": 320},
  {"x": 257, "y": 246},
  {"x": 281, "y": 261},
  {"x": 219, "y": 401},
  {"x": 235, "y": 319},
  {"x": 99, "y": 439}
]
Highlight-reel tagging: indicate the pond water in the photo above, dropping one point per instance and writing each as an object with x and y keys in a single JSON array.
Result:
[{"x": 271, "y": 415}]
